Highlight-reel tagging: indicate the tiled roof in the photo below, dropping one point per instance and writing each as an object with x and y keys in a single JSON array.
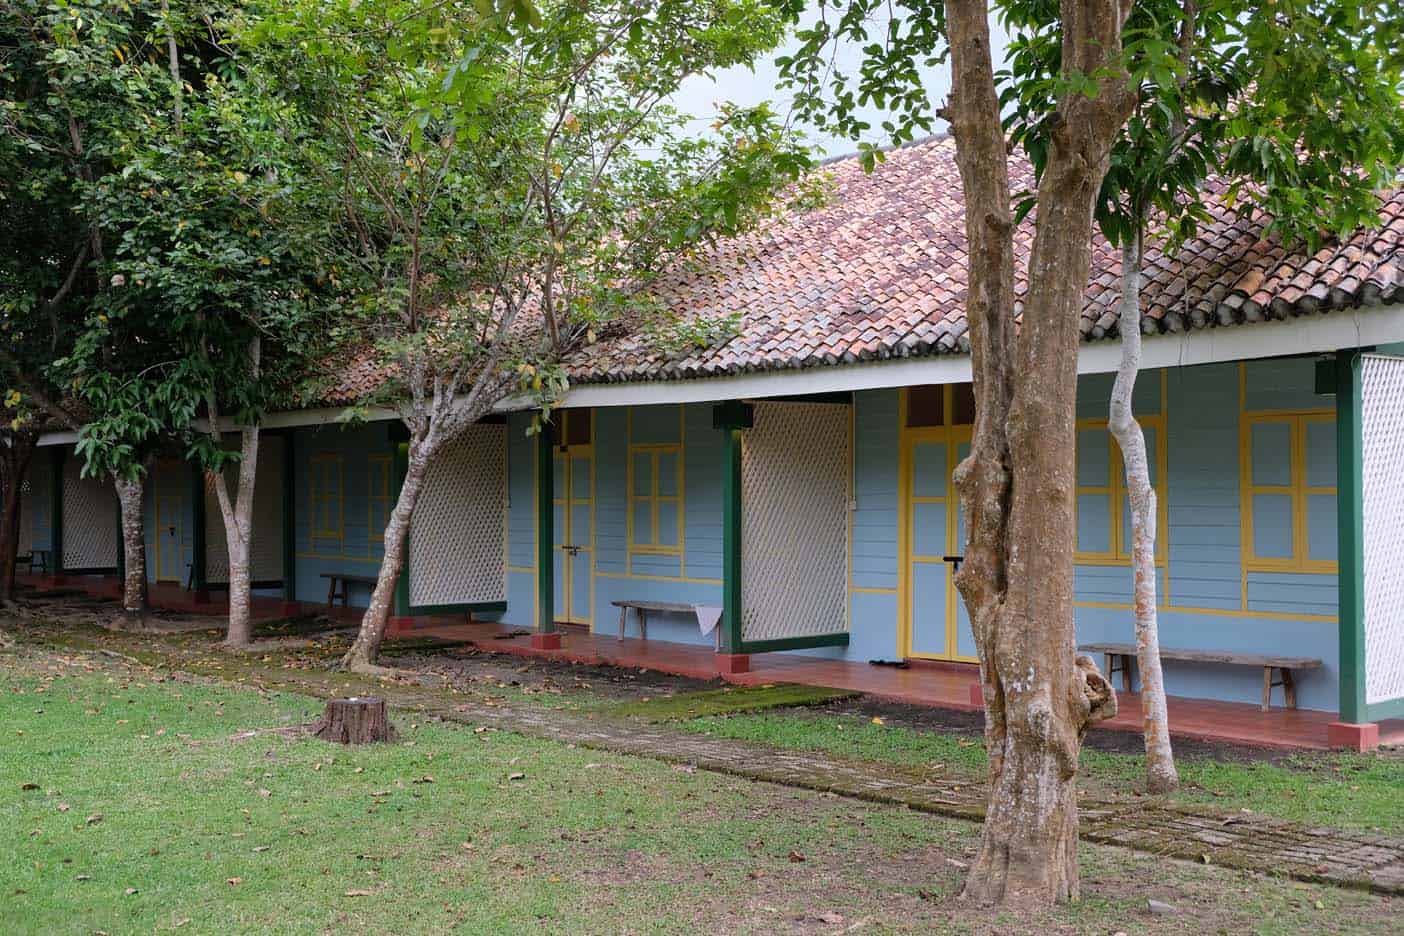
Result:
[{"x": 879, "y": 272}]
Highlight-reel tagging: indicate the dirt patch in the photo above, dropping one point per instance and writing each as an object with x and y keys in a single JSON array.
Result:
[
  {"x": 948, "y": 721},
  {"x": 468, "y": 668}
]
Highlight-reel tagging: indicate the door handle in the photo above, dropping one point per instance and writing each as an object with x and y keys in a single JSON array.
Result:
[{"x": 172, "y": 530}]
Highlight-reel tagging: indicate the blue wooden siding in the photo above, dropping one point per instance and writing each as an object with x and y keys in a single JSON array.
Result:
[
  {"x": 360, "y": 452},
  {"x": 521, "y": 520},
  {"x": 873, "y": 598},
  {"x": 1211, "y": 598},
  {"x": 40, "y": 501},
  {"x": 172, "y": 482}
]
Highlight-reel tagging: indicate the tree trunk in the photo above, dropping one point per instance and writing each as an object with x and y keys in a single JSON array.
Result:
[
  {"x": 1017, "y": 484},
  {"x": 363, "y": 653},
  {"x": 354, "y": 721},
  {"x": 14, "y": 465},
  {"x": 134, "y": 594},
  {"x": 1160, "y": 762},
  {"x": 237, "y": 514}
]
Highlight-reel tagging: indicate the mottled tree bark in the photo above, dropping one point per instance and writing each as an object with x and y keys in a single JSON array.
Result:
[
  {"x": 1017, "y": 484},
  {"x": 1131, "y": 439},
  {"x": 237, "y": 514},
  {"x": 133, "y": 546},
  {"x": 366, "y": 649},
  {"x": 14, "y": 465}
]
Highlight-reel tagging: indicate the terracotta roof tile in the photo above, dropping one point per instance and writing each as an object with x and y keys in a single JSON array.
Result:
[{"x": 879, "y": 272}]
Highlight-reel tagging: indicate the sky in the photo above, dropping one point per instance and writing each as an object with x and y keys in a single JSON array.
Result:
[{"x": 739, "y": 85}]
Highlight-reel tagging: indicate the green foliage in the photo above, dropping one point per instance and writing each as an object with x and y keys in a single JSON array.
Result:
[
  {"x": 182, "y": 182},
  {"x": 510, "y": 187},
  {"x": 1291, "y": 107},
  {"x": 1294, "y": 105}
]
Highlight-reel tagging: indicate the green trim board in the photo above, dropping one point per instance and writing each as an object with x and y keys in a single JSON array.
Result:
[
  {"x": 199, "y": 549},
  {"x": 400, "y": 469},
  {"x": 1350, "y": 537},
  {"x": 1379, "y": 711},
  {"x": 56, "y": 457},
  {"x": 731, "y": 419},
  {"x": 289, "y": 517},
  {"x": 545, "y": 534},
  {"x": 793, "y": 643},
  {"x": 487, "y": 607}
]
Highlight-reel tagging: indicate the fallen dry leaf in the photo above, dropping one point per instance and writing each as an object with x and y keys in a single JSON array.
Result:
[{"x": 357, "y": 893}]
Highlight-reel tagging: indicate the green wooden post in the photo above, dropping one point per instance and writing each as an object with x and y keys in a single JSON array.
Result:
[
  {"x": 199, "y": 549},
  {"x": 56, "y": 456},
  {"x": 731, "y": 418},
  {"x": 121, "y": 549},
  {"x": 731, "y": 541},
  {"x": 401, "y": 470},
  {"x": 289, "y": 521},
  {"x": 546, "y": 635},
  {"x": 1350, "y": 537}
]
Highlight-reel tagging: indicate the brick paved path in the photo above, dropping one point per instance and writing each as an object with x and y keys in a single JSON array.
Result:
[{"x": 1238, "y": 840}]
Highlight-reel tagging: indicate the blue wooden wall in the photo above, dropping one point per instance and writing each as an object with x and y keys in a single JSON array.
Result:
[
  {"x": 622, "y": 572},
  {"x": 1210, "y": 600},
  {"x": 360, "y": 452}
]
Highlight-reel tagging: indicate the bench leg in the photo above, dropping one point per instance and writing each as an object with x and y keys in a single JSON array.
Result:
[
  {"x": 623, "y": 619},
  {"x": 643, "y": 624},
  {"x": 1289, "y": 689},
  {"x": 331, "y": 593},
  {"x": 1267, "y": 688}
]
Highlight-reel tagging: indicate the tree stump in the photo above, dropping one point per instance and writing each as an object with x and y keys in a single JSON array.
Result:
[{"x": 354, "y": 721}]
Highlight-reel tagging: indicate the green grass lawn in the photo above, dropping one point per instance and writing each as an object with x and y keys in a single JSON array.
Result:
[
  {"x": 1351, "y": 791},
  {"x": 131, "y": 805}
]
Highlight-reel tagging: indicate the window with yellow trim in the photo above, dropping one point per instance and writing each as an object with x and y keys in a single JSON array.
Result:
[
  {"x": 1289, "y": 492},
  {"x": 1103, "y": 506},
  {"x": 326, "y": 501},
  {"x": 378, "y": 496},
  {"x": 655, "y": 498}
]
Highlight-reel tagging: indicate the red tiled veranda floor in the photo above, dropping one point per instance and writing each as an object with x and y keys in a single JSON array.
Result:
[{"x": 940, "y": 685}]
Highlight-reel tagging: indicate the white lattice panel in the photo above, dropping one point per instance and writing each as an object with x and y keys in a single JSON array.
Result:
[
  {"x": 458, "y": 532},
  {"x": 266, "y": 552},
  {"x": 1382, "y": 423},
  {"x": 26, "y": 519},
  {"x": 89, "y": 519},
  {"x": 795, "y": 488}
]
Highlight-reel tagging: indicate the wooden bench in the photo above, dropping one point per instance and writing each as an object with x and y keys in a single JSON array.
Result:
[
  {"x": 346, "y": 582},
  {"x": 643, "y": 607},
  {"x": 36, "y": 557},
  {"x": 1122, "y": 656}
]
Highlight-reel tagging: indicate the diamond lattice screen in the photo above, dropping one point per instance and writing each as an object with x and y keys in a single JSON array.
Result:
[
  {"x": 1382, "y": 423},
  {"x": 795, "y": 474},
  {"x": 266, "y": 553},
  {"x": 89, "y": 519},
  {"x": 26, "y": 519},
  {"x": 458, "y": 533}
]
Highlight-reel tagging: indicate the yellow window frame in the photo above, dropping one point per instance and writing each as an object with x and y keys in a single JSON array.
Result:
[
  {"x": 324, "y": 503},
  {"x": 1297, "y": 489},
  {"x": 377, "y": 498},
  {"x": 653, "y": 499},
  {"x": 1115, "y": 491}
]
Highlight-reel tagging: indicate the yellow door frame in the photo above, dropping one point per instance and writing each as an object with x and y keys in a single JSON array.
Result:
[
  {"x": 951, "y": 437},
  {"x": 568, "y": 455}
]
